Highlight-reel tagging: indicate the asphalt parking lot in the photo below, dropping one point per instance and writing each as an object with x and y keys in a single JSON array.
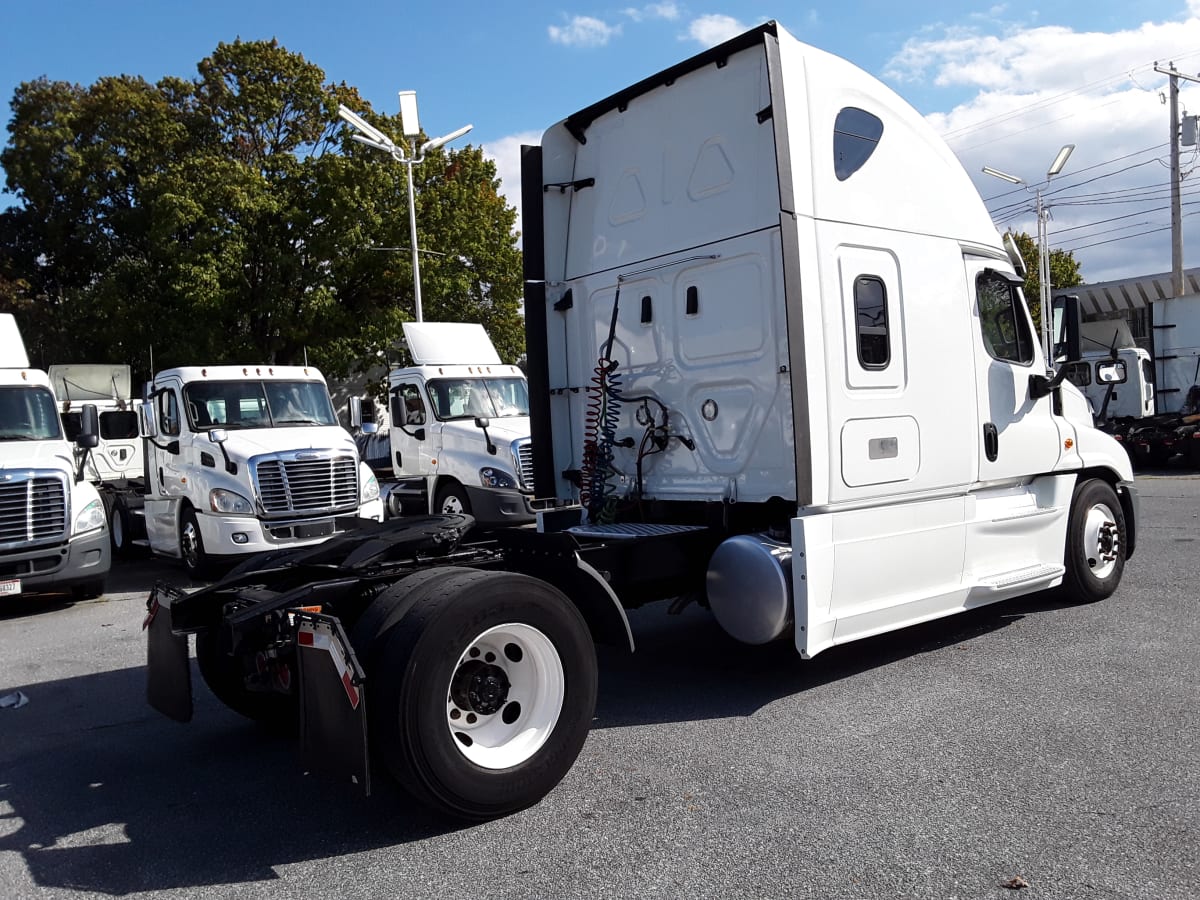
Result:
[{"x": 1055, "y": 744}]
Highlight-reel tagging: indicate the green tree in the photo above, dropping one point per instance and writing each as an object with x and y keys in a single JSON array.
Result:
[
  {"x": 228, "y": 218},
  {"x": 1064, "y": 272}
]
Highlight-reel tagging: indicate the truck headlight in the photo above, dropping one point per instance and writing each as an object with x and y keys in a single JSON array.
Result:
[
  {"x": 90, "y": 517},
  {"x": 370, "y": 490},
  {"x": 230, "y": 503},
  {"x": 491, "y": 477}
]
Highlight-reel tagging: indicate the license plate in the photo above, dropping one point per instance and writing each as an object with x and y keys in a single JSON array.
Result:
[{"x": 10, "y": 587}]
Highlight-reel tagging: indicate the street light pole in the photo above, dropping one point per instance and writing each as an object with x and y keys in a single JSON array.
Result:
[
  {"x": 1043, "y": 238},
  {"x": 412, "y": 237},
  {"x": 371, "y": 136}
]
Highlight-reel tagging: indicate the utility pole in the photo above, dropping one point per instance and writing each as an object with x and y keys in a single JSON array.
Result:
[{"x": 1176, "y": 205}]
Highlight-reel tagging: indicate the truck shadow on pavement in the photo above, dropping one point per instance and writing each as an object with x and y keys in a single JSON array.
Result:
[{"x": 101, "y": 794}]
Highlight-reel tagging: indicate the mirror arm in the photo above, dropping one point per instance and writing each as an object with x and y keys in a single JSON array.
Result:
[{"x": 1040, "y": 386}]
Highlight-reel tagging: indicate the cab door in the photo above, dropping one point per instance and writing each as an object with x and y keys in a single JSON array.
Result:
[
  {"x": 165, "y": 471},
  {"x": 415, "y": 432},
  {"x": 1020, "y": 434}
]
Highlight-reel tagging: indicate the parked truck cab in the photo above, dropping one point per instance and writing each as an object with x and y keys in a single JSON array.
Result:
[
  {"x": 458, "y": 439},
  {"x": 52, "y": 527},
  {"x": 244, "y": 459}
]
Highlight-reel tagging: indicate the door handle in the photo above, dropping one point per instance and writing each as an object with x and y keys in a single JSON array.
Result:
[{"x": 991, "y": 441}]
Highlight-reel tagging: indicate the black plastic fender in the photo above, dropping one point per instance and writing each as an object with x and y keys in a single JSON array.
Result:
[{"x": 554, "y": 558}]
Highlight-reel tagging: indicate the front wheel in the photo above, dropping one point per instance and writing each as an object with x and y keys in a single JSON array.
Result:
[
  {"x": 451, "y": 500},
  {"x": 191, "y": 546},
  {"x": 1095, "y": 554},
  {"x": 486, "y": 692}
]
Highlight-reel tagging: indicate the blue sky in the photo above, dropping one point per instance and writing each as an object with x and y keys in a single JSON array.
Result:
[{"x": 1007, "y": 84}]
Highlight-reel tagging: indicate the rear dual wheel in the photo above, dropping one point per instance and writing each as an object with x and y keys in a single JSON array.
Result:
[{"x": 482, "y": 692}]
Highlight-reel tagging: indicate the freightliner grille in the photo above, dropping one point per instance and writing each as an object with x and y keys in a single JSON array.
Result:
[
  {"x": 525, "y": 465},
  {"x": 33, "y": 509},
  {"x": 308, "y": 485}
]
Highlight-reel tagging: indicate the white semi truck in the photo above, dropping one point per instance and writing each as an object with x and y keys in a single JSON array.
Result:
[
  {"x": 115, "y": 465},
  {"x": 780, "y": 364},
  {"x": 52, "y": 531},
  {"x": 458, "y": 438},
  {"x": 240, "y": 460}
]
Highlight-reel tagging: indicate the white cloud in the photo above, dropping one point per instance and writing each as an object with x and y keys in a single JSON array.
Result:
[
  {"x": 712, "y": 29},
  {"x": 583, "y": 31},
  {"x": 1022, "y": 93},
  {"x": 668, "y": 11},
  {"x": 506, "y": 153}
]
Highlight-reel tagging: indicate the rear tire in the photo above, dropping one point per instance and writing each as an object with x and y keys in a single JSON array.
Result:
[
  {"x": 1095, "y": 553},
  {"x": 223, "y": 675},
  {"x": 484, "y": 693},
  {"x": 120, "y": 527}
]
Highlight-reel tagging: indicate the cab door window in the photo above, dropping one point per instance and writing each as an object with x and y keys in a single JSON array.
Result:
[
  {"x": 168, "y": 413},
  {"x": 407, "y": 406},
  {"x": 1002, "y": 318}
]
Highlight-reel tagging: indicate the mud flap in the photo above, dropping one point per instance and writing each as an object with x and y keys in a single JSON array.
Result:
[
  {"x": 168, "y": 671},
  {"x": 333, "y": 704}
]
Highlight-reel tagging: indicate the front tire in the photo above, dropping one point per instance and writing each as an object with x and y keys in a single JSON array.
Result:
[
  {"x": 486, "y": 690},
  {"x": 452, "y": 500},
  {"x": 1095, "y": 554},
  {"x": 191, "y": 547}
]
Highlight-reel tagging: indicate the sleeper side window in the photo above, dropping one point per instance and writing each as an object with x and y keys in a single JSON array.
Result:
[
  {"x": 856, "y": 134},
  {"x": 1003, "y": 320},
  {"x": 871, "y": 322}
]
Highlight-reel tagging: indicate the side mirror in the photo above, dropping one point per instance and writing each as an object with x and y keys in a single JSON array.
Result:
[
  {"x": 89, "y": 428},
  {"x": 1111, "y": 372},
  {"x": 218, "y": 435},
  {"x": 483, "y": 422},
  {"x": 354, "y": 408},
  {"x": 146, "y": 414},
  {"x": 1066, "y": 315},
  {"x": 368, "y": 428}
]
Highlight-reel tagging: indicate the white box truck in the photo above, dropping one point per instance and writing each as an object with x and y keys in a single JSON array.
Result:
[
  {"x": 458, "y": 434},
  {"x": 780, "y": 364},
  {"x": 244, "y": 459},
  {"x": 52, "y": 529}
]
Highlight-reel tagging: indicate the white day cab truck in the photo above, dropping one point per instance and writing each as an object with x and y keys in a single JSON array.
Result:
[
  {"x": 458, "y": 434},
  {"x": 115, "y": 465},
  {"x": 780, "y": 365},
  {"x": 1113, "y": 372},
  {"x": 239, "y": 460},
  {"x": 52, "y": 531}
]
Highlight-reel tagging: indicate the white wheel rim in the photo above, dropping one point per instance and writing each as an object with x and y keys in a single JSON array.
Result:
[
  {"x": 494, "y": 725},
  {"x": 451, "y": 505},
  {"x": 1101, "y": 540}
]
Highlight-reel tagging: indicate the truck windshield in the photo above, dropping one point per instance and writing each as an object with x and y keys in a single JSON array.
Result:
[
  {"x": 466, "y": 398},
  {"x": 28, "y": 414},
  {"x": 257, "y": 404}
]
